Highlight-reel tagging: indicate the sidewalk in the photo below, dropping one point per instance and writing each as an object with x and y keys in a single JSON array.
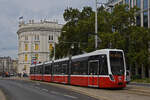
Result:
[
  {"x": 2, "y": 96},
  {"x": 140, "y": 84}
]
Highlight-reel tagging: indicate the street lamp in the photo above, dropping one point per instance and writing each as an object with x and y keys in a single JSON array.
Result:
[{"x": 96, "y": 27}]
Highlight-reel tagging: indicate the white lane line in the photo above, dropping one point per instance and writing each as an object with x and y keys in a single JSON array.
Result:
[
  {"x": 37, "y": 87},
  {"x": 55, "y": 92},
  {"x": 44, "y": 90},
  {"x": 71, "y": 96},
  {"x": 37, "y": 83}
]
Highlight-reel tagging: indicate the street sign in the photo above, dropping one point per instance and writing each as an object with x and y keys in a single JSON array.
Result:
[{"x": 34, "y": 58}]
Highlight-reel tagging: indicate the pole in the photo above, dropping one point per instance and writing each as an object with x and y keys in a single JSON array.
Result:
[
  {"x": 54, "y": 49},
  {"x": 96, "y": 25}
]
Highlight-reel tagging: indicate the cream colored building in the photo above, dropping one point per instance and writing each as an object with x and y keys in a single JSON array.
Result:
[{"x": 34, "y": 41}]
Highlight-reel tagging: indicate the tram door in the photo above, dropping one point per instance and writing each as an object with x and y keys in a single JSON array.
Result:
[
  {"x": 64, "y": 68},
  {"x": 93, "y": 72}
]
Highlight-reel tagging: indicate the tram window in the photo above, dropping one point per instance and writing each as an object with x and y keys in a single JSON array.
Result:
[
  {"x": 57, "y": 69},
  {"x": 75, "y": 68},
  {"x": 64, "y": 68},
  {"x": 117, "y": 63},
  {"x": 79, "y": 68},
  {"x": 32, "y": 70},
  {"x": 83, "y": 67},
  {"x": 48, "y": 69},
  {"x": 93, "y": 67},
  {"x": 40, "y": 69},
  {"x": 54, "y": 69},
  {"x": 103, "y": 65}
]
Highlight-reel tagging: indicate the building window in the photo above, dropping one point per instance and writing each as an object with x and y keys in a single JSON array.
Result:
[
  {"x": 26, "y": 47},
  {"x": 138, "y": 3},
  {"x": 130, "y": 3},
  {"x": 26, "y": 57},
  {"x": 145, "y": 19},
  {"x": 145, "y": 4},
  {"x": 120, "y": 3},
  {"x": 36, "y": 37},
  {"x": 50, "y": 47},
  {"x": 26, "y": 37},
  {"x": 134, "y": 3},
  {"x": 37, "y": 56},
  {"x": 127, "y": 2},
  {"x": 138, "y": 20},
  {"x": 25, "y": 68},
  {"x": 50, "y": 37},
  {"x": 36, "y": 46},
  {"x": 19, "y": 46}
]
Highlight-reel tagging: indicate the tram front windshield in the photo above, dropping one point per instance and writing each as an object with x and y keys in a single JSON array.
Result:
[{"x": 117, "y": 63}]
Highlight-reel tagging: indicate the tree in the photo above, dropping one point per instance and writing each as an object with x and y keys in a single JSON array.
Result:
[{"x": 116, "y": 30}]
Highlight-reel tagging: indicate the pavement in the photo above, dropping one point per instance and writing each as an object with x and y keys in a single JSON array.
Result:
[
  {"x": 131, "y": 92},
  {"x": 16, "y": 89},
  {"x": 2, "y": 96}
]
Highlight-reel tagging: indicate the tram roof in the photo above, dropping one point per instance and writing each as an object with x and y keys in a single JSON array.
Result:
[{"x": 102, "y": 51}]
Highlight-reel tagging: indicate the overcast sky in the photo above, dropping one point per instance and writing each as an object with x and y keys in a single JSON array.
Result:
[{"x": 11, "y": 10}]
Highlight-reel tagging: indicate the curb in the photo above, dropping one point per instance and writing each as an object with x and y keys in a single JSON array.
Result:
[
  {"x": 139, "y": 83},
  {"x": 2, "y": 96}
]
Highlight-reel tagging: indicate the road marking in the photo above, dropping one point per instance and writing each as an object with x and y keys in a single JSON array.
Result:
[
  {"x": 37, "y": 83},
  {"x": 37, "y": 87},
  {"x": 71, "y": 96},
  {"x": 55, "y": 92},
  {"x": 45, "y": 90}
]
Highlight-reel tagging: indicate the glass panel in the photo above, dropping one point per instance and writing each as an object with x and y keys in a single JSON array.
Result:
[
  {"x": 64, "y": 69},
  {"x": 26, "y": 57},
  {"x": 145, "y": 19},
  {"x": 130, "y": 3},
  {"x": 138, "y": 3},
  {"x": 103, "y": 65},
  {"x": 93, "y": 68},
  {"x": 127, "y": 1},
  {"x": 138, "y": 20},
  {"x": 117, "y": 63},
  {"x": 26, "y": 47},
  {"x": 145, "y": 4},
  {"x": 36, "y": 47}
]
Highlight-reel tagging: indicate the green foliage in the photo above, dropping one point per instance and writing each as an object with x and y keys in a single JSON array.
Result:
[
  {"x": 116, "y": 30},
  {"x": 138, "y": 80}
]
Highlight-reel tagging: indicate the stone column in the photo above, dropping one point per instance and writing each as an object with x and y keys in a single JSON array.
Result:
[
  {"x": 149, "y": 13},
  {"x": 142, "y": 23}
]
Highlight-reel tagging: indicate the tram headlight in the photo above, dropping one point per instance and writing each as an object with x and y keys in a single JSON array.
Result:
[{"x": 111, "y": 77}]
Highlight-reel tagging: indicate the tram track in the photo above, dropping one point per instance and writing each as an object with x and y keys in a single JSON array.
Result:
[
  {"x": 107, "y": 94},
  {"x": 137, "y": 90}
]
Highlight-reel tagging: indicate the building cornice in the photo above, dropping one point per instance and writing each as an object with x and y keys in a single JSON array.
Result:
[{"x": 31, "y": 29}]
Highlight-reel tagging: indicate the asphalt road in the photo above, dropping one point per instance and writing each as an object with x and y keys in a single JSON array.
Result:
[{"x": 27, "y": 90}]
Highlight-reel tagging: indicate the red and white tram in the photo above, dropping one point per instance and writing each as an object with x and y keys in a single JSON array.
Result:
[{"x": 104, "y": 68}]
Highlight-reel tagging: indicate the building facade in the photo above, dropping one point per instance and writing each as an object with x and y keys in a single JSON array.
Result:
[
  {"x": 143, "y": 16},
  {"x": 6, "y": 65},
  {"x": 15, "y": 65},
  {"x": 35, "y": 39}
]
